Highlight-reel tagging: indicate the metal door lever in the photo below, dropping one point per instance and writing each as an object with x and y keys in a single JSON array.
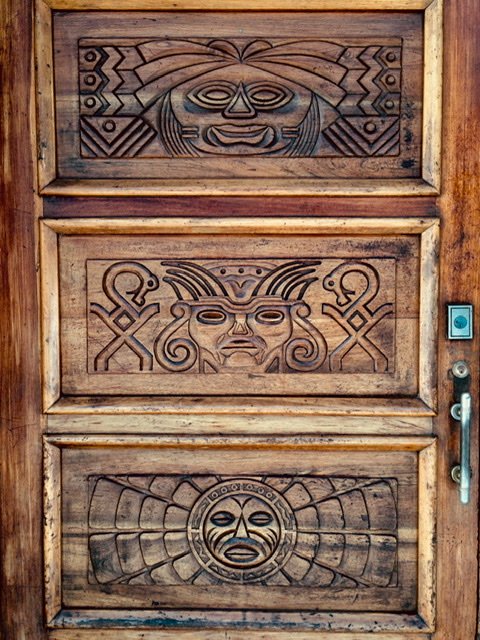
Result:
[{"x": 462, "y": 412}]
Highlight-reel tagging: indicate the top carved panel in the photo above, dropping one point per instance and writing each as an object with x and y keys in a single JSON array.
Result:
[
  {"x": 245, "y": 97},
  {"x": 208, "y": 97}
]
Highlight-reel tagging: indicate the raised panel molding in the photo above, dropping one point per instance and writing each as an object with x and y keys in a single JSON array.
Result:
[
  {"x": 133, "y": 529},
  {"x": 174, "y": 322},
  {"x": 223, "y": 310},
  {"x": 322, "y": 109}
]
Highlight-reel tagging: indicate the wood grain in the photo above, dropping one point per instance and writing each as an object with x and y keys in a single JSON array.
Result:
[
  {"x": 413, "y": 187},
  {"x": 117, "y": 634},
  {"x": 231, "y": 313},
  {"x": 459, "y": 281},
  {"x": 432, "y": 92},
  {"x": 302, "y": 625},
  {"x": 224, "y": 634},
  {"x": 45, "y": 94},
  {"x": 427, "y": 552},
  {"x": 20, "y": 520},
  {"x": 52, "y": 541},
  {"x": 242, "y": 405},
  {"x": 219, "y": 225},
  {"x": 50, "y": 316},
  {"x": 21, "y": 580},
  {"x": 182, "y": 174},
  {"x": 88, "y": 457},
  {"x": 429, "y": 270},
  {"x": 242, "y": 5},
  {"x": 205, "y": 206},
  {"x": 231, "y": 424}
]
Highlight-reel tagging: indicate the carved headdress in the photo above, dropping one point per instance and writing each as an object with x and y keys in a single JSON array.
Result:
[
  {"x": 310, "y": 63},
  {"x": 251, "y": 309},
  {"x": 240, "y": 282}
]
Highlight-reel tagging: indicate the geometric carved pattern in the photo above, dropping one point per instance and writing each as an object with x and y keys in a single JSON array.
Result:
[
  {"x": 197, "y": 97},
  {"x": 310, "y": 531},
  {"x": 353, "y": 313},
  {"x": 236, "y": 316}
]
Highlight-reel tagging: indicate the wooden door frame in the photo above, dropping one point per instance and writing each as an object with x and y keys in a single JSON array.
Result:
[{"x": 21, "y": 575}]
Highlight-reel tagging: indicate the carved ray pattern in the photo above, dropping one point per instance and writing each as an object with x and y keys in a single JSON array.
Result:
[
  {"x": 236, "y": 316},
  {"x": 240, "y": 97},
  {"x": 312, "y": 531}
]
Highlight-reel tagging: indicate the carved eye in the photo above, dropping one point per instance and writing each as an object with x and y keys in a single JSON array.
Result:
[
  {"x": 211, "y": 316},
  {"x": 260, "y": 518},
  {"x": 214, "y": 95},
  {"x": 222, "y": 518},
  {"x": 268, "y": 95},
  {"x": 270, "y": 316},
  {"x": 150, "y": 284}
]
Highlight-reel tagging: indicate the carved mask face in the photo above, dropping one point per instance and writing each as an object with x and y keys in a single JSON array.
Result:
[
  {"x": 238, "y": 110},
  {"x": 240, "y": 335},
  {"x": 242, "y": 532}
]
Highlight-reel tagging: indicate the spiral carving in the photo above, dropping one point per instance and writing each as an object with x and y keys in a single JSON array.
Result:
[{"x": 180, "y": 353}]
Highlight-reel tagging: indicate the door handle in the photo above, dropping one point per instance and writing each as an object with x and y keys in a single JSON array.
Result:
[{"x": 462, "y": 412}]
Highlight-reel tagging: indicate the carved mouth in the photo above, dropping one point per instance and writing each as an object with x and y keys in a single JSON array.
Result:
[
  {"x": 236, "y": 344},
  {"x": 241, "y": 554},
  {"x": 230, "y": 134}
]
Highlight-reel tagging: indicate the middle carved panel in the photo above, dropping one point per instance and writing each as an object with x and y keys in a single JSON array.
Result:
[{"x": 314, "y": 315}]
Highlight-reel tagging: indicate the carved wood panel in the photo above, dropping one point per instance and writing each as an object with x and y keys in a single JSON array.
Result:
[
  {"x": 336, "y": 530},
  {"x": 232, "y": 315},
  {"x": 280, "y": 530},
  {"x": 325, "y": 96}
]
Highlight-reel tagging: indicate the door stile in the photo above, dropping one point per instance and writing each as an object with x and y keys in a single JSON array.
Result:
[
  {"x": 459, "y": 280},
  {"x": 21, "y": 575}
]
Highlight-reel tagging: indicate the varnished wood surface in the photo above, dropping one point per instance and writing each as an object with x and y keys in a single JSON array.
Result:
[
  {"x": 178, "y": 176},
  {"x": 264, "y": 315},
  {"x": 85, "y": 457},
  {"x": 235, "y": 5},
  {"x": 75, "y": 312},
  {"x": 204, "y": 206},
  {"x": 459, "y": 280},
  {"x": 70, "y": 634},
  {"x": 328, "y": 97},
  {"x": 21, "y": 591},
  {"x": 298, "y": 187},
  {"x": 20, "y": 585}
]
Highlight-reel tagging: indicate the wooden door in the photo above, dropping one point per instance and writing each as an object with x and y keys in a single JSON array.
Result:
[{"x": 249, "y": 220}]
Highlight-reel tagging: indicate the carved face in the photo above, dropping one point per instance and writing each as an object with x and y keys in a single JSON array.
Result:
[
  {"x": 242, "y": 316},
  {"x": 240, "y": 335},
  {"x": 242, "y": 532},
  {"x": 238, "y": 110}
]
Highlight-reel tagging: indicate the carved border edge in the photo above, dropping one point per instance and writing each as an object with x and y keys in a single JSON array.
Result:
[
  {"x": 65, "y": 618},
  {"x": 427, "y": 229},
  {"x": 429, "y": 184}
]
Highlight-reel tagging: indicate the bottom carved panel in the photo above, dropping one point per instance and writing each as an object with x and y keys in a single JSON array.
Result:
[
  {"x": 275, "y": 530},
  {"x": 304, "y": 528}
]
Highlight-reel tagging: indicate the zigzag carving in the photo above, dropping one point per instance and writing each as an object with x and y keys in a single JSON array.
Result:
[{"x": 126, "y": 84}]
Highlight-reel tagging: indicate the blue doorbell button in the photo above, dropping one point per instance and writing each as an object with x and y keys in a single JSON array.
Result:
[{"x": 460, "y": 321}]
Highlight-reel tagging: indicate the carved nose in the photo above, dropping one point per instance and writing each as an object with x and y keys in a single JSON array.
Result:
[
  {"x": 239, "y": 106},
  {"x": 240, "y": 327},
  {"x": 241, "y": 530}
]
